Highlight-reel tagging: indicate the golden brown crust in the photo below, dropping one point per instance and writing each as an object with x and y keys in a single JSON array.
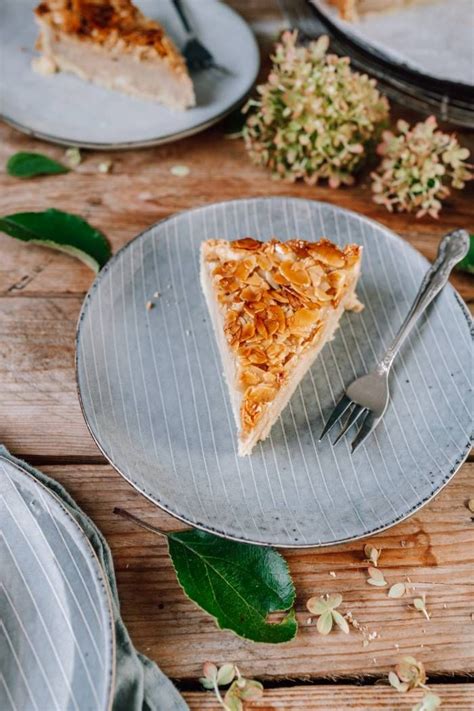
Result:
[
  {"x": 112, "y": 23},
  {"x": 275, "y": 297},
  {"x": 347, "y": 8}
]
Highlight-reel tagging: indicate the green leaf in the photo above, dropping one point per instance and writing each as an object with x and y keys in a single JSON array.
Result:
[
  {"x": 29, "y": 165},
  {"x": 324, "y": 623},
  {"x": 467, "y": 264},
  {"x": 237, "y": 583},
  {"x": 59, "y": 230}
]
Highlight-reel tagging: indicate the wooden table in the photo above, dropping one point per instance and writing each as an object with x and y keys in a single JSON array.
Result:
[{"x": 40, "y": 295}]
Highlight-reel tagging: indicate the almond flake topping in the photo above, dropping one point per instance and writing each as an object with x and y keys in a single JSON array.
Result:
[{"x": 275, "y": 297}]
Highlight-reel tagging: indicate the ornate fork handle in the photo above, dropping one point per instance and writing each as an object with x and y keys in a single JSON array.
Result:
[{"x": 452, "y": 248}]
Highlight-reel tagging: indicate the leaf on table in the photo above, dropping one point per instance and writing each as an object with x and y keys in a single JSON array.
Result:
[
  {"x": 397, "y": 590},
  {"x": 62, "y": 231},
  {"x": 324, "y": 623},
  {"x": 30, "y": 165},
  {"x": 340, "y": 621},
  {"x": 467, "y": 264},
  {"x": 73, "y": 157},
  {"x": 376, "y": 577},
  {"x": 429, "y": 702},
  {"x": 420, "y": 604},
  {"x": 237, "y": 583},
  {"x": 325, "y": 606},
  {"x": 372, "y": 554},
  {"x": 226, "y": 674}
]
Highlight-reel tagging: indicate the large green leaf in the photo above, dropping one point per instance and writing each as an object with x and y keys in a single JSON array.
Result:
[
  {"x": 30, "y": 165},
  {"x": 237, "y": 583},
  {"x": 59, "y": 230},
  {"x": 467, "y": 264}
]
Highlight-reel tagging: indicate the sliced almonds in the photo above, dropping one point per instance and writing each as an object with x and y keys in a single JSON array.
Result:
[
  {"x": 470, "y": 505},
  {"x": 275, "y": 297}
]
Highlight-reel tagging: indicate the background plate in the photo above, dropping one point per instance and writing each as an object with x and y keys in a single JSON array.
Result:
[
  {"x": 64, "y": 109},
  {"x": 154, "y": 398},
  {"x": 433, "y": 37},
  {"x": 57, "y": 629}
]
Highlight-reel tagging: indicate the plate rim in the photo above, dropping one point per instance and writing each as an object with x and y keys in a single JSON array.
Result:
[
  {"x": 209, "y": 528},
  {"x": 160, "y": 140},
  {"x": 100, "y": 576}
]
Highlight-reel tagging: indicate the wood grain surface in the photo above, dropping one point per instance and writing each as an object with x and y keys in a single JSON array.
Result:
[
  {"x": 455, "y": 697},
  {"x": 434, "y": 549},
  {"x": 40, "y": 419}
]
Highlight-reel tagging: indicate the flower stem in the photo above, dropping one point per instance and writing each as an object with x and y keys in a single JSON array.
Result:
[{"x": 139, "y": 522}]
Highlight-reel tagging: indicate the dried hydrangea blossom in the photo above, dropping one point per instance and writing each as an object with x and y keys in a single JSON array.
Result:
[
  {"x": 315, "y": 117},
  {"x": 418, "y": 164}
]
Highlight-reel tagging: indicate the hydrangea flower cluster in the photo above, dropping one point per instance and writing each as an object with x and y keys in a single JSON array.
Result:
[
  {"x": 314, "y": 117},
  {"x": 417, "y": 166}
]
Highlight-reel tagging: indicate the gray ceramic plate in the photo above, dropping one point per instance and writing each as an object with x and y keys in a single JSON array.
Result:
[
  {"x": 434, "y": 38},
  {"x": 154, "y": 397},
  {"x": 56, "y": 622},
  {"x": 63, "y": 109}
]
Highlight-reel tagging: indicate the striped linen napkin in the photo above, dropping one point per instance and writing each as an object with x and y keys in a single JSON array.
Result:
[{"x": 139, "y": 684}]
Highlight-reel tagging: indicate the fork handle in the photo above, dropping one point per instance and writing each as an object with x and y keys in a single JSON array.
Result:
[
  {"x": 452, "y": 248},
  {"x": 182, "y": 16}
]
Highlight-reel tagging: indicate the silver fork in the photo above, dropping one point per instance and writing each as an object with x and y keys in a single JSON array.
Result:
[
  {"x": 197, "y": 56},
  {"x": 369, "y": 395}
]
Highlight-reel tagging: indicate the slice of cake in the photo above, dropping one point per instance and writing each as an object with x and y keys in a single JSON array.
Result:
[
  {"x": 111, "y": 43},
  {"x": 273, "y": 306}
]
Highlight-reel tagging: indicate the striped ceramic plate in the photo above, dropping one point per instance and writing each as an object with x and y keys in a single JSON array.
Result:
[
  {"x": 56, "y": 627},
  {"x": 154, "y": 398}
]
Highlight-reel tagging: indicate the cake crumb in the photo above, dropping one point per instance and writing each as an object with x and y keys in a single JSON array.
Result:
[
  {"x": 44, "y": 65},
  {"x": 145, "y": 196},
  {"x": 105, "y": 166}
]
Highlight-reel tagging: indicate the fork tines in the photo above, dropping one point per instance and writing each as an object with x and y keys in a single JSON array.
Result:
[{"x": 344, "y": 404}]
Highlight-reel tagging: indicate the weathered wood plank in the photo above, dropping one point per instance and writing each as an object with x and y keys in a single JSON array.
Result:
[
  {"x": 39, "y": 407},
  {"x": 437, "y": 555},
  {"x": 456, "y": 697},
  {"x": 114, "y": 203}
]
